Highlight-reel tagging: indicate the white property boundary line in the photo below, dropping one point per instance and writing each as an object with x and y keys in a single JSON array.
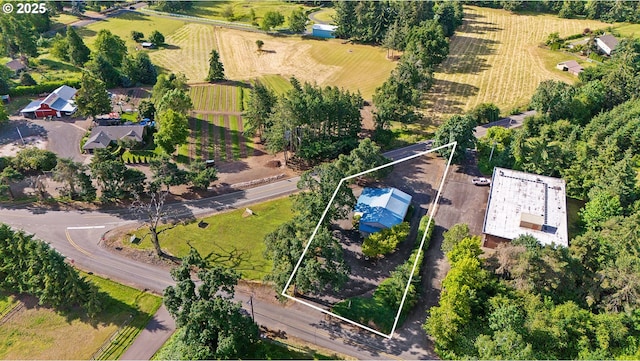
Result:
[{"x": 415, "y": 263}]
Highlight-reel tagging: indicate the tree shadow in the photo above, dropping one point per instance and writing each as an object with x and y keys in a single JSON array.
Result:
[
  {"x": 85, "y": 32},
  {"x": 469, "y": 61},
  {"x": 235, "y": 166}
]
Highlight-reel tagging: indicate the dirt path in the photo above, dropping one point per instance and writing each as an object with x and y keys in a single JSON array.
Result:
[
  {"x": 227, "y": 137},
  {"x": 218, "y": 112}
]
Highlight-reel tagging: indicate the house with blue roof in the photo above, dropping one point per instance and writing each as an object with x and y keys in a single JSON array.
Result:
[{"x": 381, "y": 208}]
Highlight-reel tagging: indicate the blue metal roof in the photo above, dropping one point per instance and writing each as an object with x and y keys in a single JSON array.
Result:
[{"x": 381, "y": 208}]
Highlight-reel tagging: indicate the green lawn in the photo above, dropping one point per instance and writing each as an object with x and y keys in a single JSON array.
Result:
[
  {"x": 222, "y": 137},
  {"x": 229, "y": 238},
  {"x": 211, "y": 146},
  {"x": 123, "y": 24},
  {"x": 276, "y": 83},
  {"x": 326, "y": 15},
  {"x": 16, "y": 104},
  {"x": 235, "y": 136},
  {"x": 241, "y": 10},
  {"x": 44, "y": 333},
  {"x": 629, "y": 30},
  {"x": 363, "y": 310},
  {"x": 7, "y": 303},
  {"x": 47, "y": 68}
]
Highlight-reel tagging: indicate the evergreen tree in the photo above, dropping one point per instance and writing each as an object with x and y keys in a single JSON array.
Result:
[
  {"x": 78, "y": 51},
  {"x": 216, "y": 69}
]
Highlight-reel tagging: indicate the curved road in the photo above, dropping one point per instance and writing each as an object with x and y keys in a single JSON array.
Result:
[{"x": 77, "y": 235}]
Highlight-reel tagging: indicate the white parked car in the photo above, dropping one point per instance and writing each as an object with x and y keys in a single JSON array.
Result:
[{"x": 481, "y": 181}]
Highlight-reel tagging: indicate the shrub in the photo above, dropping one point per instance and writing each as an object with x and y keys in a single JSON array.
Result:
[
  {"x": 486, "y": 113},
  {"x": 34, "y": 159},
  {"x": 26, "y": 79},
  {"x": 44, "y": 87},
  {"x": 356, "y": 221},
  {"x": 385, "y": 241}
]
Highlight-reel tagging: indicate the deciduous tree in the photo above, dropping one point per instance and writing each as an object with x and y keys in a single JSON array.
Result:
[
  {"x": 92, "y": 98},
  {"x": 214, "y": 326},
  {"x": 271, "y": 20},
  {"x": 298, "y": 20},
  {"x": 173, "y": 130},
  {"x": 111, "y": 46},
  {"x": 457, "y": 128},
  {"x": 156, "y": 37}
]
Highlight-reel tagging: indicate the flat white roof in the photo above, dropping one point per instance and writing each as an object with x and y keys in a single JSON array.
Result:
[
  {"x": 324, "y": 27},
  {"x": 514, "y": 193}
]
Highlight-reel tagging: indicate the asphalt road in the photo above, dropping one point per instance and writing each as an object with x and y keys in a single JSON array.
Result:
[
  {"x": 512, "y": 121},
  {"x": 77, "y": 235}
]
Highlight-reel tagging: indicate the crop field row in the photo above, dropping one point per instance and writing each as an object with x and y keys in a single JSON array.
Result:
[
  {"x": 495, "y": 57},
  {"x": 215, "y": 136},
  {"x": 216, "y": 97}
]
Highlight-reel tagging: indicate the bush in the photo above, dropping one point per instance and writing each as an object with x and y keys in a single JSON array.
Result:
[
  {"x": 26, "y": 79},
  {"x": 385, "y": 241},
  {"x": 486, "y": 113},
  {"x": 45, "y": 87},
  {"x": 422, "y": 228},
  {"x": 356, "y": 221},
  {"x": 136, "y": 35},
  {"x": 34, "y": 159}
]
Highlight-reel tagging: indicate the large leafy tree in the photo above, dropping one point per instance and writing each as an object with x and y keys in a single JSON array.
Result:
[
  {"x": 92, "y": 99},
  {"x": 175, "y": 99},
  {"x": 139, "y": 69},
  {"x": 17, "y": 36},
  {"x": 72, "y": 175},
  {"x": 165, "y": 83},
  {"x": 156, "y": 37},
  {"x": 4, "y": 116},
  {"x": 216, "y": 69},
  {"x": 202, "y": 176},
  {"x": 173, "y": 130},
  {"x": 78, "y": 51},
  {"x": 553, "y": 98},
  {"x": 166, "y": 173},
  {"x": 271, "y": 20},
  {"x": 457, "y": 128},
  {"x": 214, "y": 327},
  {"x": 111, "y": 46},
  {"x": 110, "y": 173},
  {"x": 298, "y": 20},
  {"x": 103, "y": 69}
]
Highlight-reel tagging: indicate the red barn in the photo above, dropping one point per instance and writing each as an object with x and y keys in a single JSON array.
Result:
[{"x": 56, "y": 104}]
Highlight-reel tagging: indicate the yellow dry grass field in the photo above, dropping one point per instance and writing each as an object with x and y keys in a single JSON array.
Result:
[
  {"x": 353, "y": 67},
  {"x": 188, "y": 51},
  {"x": 495, "y": 57},
  {"x": 40, "y": 333}
]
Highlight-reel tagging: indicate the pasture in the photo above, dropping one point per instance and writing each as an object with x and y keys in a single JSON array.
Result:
[
  {"x": 122, "y": 25},
  {"x": 242, "y": 9},
  {"x": 495, "y": 56},
  {"x": 228, "y": 239},
  {"x": 35, "y": 332},
  {"x": 325, "y": 62}
]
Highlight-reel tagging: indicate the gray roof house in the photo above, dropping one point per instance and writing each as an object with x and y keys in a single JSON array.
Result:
[
  {"x": 607, "y": 43},
  {"x": 16, "y": 65},
  {"x": 101, "y": 137}
]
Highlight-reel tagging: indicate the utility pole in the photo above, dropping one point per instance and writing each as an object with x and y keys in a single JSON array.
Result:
[
  {"x": 253, "y": 317},
  {"x": 492, "y": 148}
]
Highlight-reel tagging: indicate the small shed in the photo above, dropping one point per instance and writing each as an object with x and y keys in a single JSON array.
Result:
[
  {"x": 570, "y": 66},
  {"x": 323, "y": 31},
  {"x": 148, "y": 45}
]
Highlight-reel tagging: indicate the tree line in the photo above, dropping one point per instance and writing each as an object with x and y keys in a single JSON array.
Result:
[
  {"x": 33, "y": 267},
  {"x": 314, "y": 123},
  {"x": 606, "y": 10},
  {"x": 529, "y": 301}
]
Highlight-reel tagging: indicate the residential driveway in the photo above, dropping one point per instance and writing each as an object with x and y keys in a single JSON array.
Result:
[
  {"x": 64, "y": 136},
  {"x": 512, "y": 121},
  {"x": 158, "y": 330}
]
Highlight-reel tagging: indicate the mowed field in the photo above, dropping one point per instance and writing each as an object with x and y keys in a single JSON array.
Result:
[
  {"x": 325, "y": 62},
  {"x": 495, "y": 57}
]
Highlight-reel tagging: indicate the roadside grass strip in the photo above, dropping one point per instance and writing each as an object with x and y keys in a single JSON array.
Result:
[
  {"x": 235, "y": 136},
  {"x": 416, "y": 258},
  {"x": 228, "y": 238}
]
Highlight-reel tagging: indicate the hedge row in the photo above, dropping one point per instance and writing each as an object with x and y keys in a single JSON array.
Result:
[{"x": 45, "y": 87}]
